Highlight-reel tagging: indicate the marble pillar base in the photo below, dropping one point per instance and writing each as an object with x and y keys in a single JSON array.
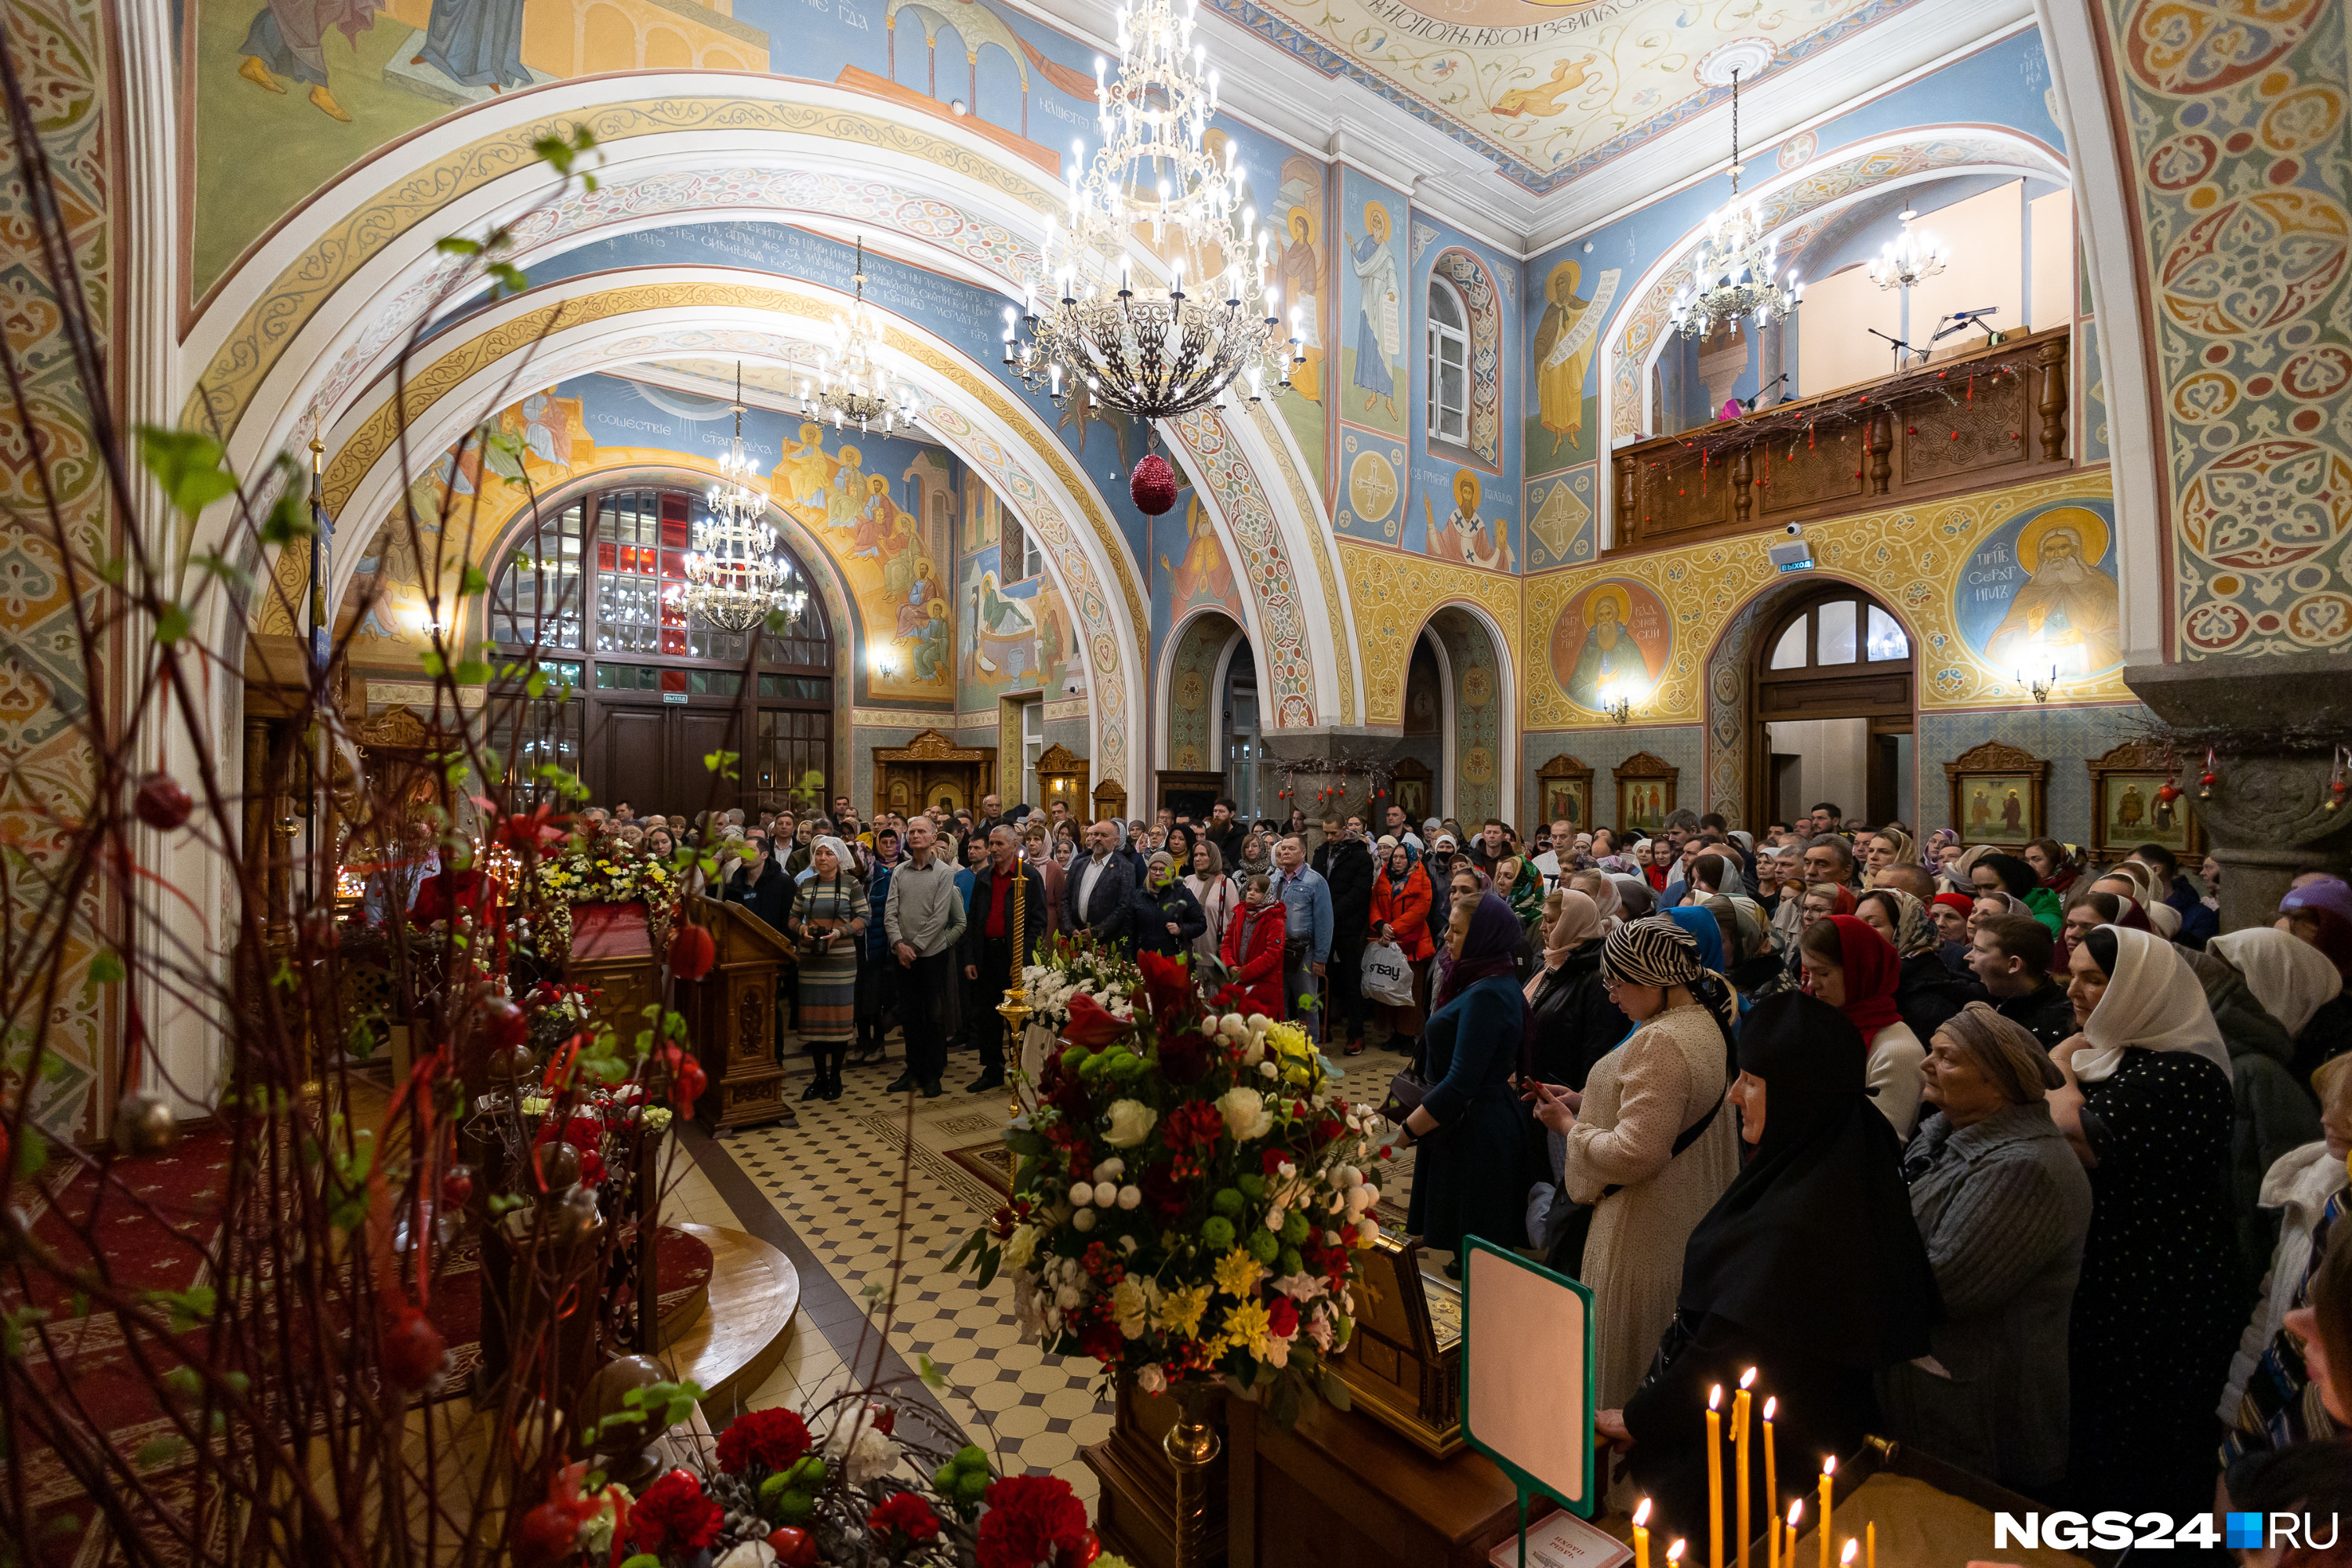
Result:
[{"x": 2267, "y": 817}]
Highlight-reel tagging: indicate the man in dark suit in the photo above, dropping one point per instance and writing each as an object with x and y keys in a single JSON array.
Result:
[
  {"x": 1098, "y": 889},
  {"x": 988, "y": 946},
  {"x": 1345, "y": 862}
]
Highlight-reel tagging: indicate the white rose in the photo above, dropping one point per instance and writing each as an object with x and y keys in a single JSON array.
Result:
[
  {"x": 1152, "y": 1379},
  {"x": 1245, "y": 1114},
  {"x": 1131, "y": 1122},
  {"x": 1021, "y": 1247}
]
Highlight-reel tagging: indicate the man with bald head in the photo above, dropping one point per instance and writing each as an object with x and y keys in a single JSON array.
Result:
[{"x": 1098, "y": 889}]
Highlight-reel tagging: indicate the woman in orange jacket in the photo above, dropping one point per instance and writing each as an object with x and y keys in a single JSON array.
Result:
[
  {"x": 1253, "y": 947},
  {"x": 1401, "y": 896}
]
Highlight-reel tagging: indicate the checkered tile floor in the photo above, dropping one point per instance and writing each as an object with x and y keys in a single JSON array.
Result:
[{"x": 834, "y": 1180}]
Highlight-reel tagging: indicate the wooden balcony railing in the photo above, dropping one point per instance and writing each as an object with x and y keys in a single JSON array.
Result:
[{"x": 1996, "y": 416}]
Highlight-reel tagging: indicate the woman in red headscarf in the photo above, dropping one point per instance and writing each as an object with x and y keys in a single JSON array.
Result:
[{"x": 1854, "y": 969}]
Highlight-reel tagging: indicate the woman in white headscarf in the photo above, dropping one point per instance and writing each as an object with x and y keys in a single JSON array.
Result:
[
  {"x": 828, "y": 927},
  {"x": 2147, "y": 1105},
  {"x": 2262, "y": 986}
]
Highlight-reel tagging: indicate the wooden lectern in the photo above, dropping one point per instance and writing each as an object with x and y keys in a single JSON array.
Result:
[{"x": 730, "y": 1015}]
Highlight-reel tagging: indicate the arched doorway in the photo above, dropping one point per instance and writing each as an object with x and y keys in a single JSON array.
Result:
[
  {"x": 599, "y": 588},
  {"x": 1833, "y": 710}
]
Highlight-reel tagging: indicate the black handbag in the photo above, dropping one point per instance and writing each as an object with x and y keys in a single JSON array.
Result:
[{"x": 1566, "y": 1253}]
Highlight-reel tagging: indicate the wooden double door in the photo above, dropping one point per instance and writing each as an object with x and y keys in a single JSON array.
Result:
[{"x": 652, "y": 754}]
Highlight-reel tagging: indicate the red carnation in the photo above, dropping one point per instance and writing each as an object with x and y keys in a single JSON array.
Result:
[
  {"x": 1029, "y": 1519},
  {"x": 1102, "y": 1341},
  {"x": 1282, "y": 1317},
  {"x": 673, "y": 1516},
  {"x": 761, "y": 1441},
  {"x": 907, "y": 1514}
]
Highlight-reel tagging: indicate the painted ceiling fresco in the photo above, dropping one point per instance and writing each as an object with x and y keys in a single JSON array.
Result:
[{"x": 1547, "y": 91}]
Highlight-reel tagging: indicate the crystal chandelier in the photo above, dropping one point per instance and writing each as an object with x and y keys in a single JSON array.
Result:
[
  {"x": 1148, "y": 349},
  {"x": 734, "y": 576},
  {"x": 850, "y": 387},
  {"x": 1733, "y": 274},
  {"x": 1910, "y": 260}
]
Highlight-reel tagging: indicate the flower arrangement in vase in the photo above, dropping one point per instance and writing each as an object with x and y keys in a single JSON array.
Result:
[
  {"x": 1188, "y": 1197},
  {"x": 599, "y": 868},
  {"x": 1074, "y": 966}
]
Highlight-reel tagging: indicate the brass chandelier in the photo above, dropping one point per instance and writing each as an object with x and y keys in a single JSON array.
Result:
[
  {"x": 735, "y": 576},
  {"x": 850, "y": 387},
  {"x": 1732, "y": 275},
  {"x": 1149, "y": 349}
]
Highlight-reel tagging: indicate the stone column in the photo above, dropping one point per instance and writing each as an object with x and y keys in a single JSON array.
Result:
[
  {"x": 1316, "y": 752},
  {"x": 2267, "y": 817}
]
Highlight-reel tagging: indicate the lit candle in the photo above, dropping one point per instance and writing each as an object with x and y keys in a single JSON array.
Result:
[
  {"x": 1741, "y": 1436},
  {"x": 1796, "y": 1513},
  {"x": 1870, "y": 1545},
  {"x": 1715, "y": 1477},
  {"x": 1674, "y": 1555},
  {"x": 1829, "y": 1472},
  {"x": 1846, "y": 1558},
  {"x": 1642, "y": 1535},
  {"x": 1771, "y": 1490}
]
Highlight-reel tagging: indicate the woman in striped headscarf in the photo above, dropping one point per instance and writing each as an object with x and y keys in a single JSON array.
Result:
[{"x": 1646, "y": 1144}]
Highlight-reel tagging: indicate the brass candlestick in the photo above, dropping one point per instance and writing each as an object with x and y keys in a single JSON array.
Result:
[
  {"x": 1014, "y": 1009},
  {"x": 1191, "y": 1447}
]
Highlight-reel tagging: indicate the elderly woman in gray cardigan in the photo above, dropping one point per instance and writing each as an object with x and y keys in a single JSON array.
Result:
[{"x": 2003, "y": 1204}]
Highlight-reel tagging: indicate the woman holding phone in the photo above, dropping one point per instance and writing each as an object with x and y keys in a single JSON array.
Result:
[{"x": 827, "y": 928}]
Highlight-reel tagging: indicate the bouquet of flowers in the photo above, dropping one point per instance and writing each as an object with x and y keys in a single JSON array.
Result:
[
  {"x": 1188, "y": 1196},
  {"x": 773, "y": 1494},
  {"x": 602, "y": 870},
  {"x": 1072, "y": 966}
]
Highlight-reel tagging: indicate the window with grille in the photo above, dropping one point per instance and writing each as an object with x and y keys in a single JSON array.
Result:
[{"x": 1449, "y": 365}]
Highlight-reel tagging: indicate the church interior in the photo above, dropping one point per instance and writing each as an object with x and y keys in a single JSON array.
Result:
[{"x": 539, "y": 537}]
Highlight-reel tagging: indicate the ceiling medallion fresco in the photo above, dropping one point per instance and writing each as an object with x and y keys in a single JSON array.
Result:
[{"x": 1546, "y": 92}]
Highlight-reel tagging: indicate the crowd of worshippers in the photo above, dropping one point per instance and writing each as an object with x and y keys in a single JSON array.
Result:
[{"x": 2022, "y": 1160}]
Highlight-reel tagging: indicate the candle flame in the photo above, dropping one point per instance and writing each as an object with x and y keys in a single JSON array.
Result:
[
  {"x": 1714, "y": 1396},
  {"x": 1748, "y": 1378},
  {"x": 1674, "y": 1552},
  {"x": 1852, "y": 1548},
  {"x": 1642, "y": 1514},
  {"x": 1796, "y": 1512},
  {"x": 1769, "y": 1404},
  {"x": 1828, "y": 1465}
]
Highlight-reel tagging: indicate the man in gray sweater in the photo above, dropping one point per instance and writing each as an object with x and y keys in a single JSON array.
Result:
[{"x": 924, "y": 918}]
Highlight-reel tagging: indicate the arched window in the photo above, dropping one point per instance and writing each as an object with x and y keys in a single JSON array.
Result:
[
  {"x": 1449, "y": 365},
  {"x": 599, "y": 589},
  {"x": 1466, "y": 392},
  {"x": 1833, "y": 708}
]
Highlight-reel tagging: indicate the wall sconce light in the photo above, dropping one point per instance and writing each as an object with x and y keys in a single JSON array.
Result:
[
  {"x": 2043, "y": 690},
  {"x": 885, "y": 659},
  {"x": 1617, "y": 700}
]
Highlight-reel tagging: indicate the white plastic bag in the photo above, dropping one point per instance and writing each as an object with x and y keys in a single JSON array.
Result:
[{"x": 1387, "y": 978}]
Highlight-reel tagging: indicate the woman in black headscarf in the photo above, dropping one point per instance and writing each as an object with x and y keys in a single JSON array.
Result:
[
  {"x": 2007, "y": 873},
  {"x": 1810, "y": 1268}
]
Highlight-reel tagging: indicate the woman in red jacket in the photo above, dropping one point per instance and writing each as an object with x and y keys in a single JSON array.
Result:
[
  {"x": 1252, "y": 948},
  {"x": 1401, "y": 896}
]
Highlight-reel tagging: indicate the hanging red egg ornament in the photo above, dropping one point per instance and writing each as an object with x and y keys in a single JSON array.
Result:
[
  {"x": 549, "y": 1534},
  {"x": 692, "y": 952},
  {"x": 413, "y": 1348},
  {"x": 456, "y": 1187},
  {"x": 793, "y": 1547},
  {"x": 504, "y": 1023},
  {"x": 1152, "y": 485},
  {"x": 161, "y": 803}
]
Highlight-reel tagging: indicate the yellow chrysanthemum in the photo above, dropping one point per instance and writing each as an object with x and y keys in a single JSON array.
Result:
[
  {"x": 1238, "y": 1273},
  {"x": 1245, "y": 1324},
  {"x": 1289, "y": 1039},
  {"x": 1180, "y": 1311}
]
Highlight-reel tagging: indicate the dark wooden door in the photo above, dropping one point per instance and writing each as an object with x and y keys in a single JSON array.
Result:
[{"x": 656, "y": 757}]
